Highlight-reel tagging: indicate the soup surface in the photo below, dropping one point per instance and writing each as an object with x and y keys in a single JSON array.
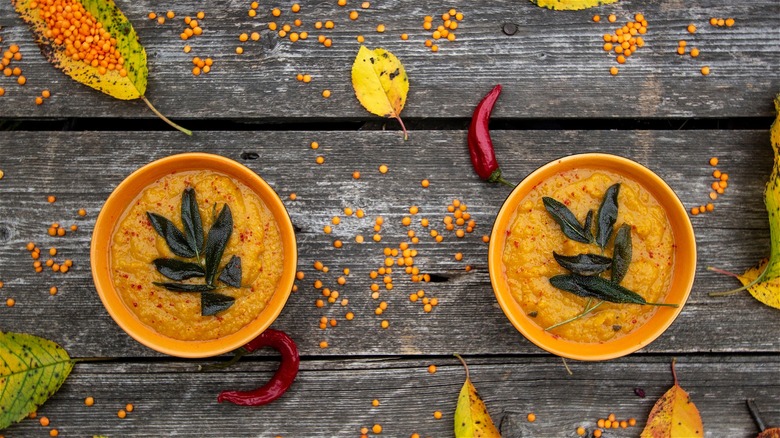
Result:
[
  {"x": 533, "y": 236},
  {"x": 255, "y": 239}
]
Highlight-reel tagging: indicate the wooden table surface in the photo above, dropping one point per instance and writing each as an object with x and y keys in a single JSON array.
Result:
[{"x": 558, "y": 99}]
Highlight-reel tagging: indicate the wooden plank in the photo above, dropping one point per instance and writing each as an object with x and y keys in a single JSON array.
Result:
[
  {"x": 553, "y": 67},
  {"x": 82, "y": 168},
  {"x": 333, "y": 397}
]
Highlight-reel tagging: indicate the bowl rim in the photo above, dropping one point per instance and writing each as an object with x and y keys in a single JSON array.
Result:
[
  {"x": 683, "y": 273},
  {"x": 114, "y": 209}
]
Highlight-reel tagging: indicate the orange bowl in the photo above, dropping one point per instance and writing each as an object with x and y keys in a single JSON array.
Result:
[
  {"x": 113, "y": 210},
  {"x": 682, "y": 275}
]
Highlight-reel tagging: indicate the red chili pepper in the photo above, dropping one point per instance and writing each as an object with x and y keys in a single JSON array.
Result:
[
  {"x": 280, "y": 382},
  {"x": 483, "y": 157}
]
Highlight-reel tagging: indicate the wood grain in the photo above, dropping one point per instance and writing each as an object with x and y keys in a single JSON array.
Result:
[
  {"x": 333, "y": 397},
  {"x": 82, "y": 168},
  {"x": 553, "y": 67}
]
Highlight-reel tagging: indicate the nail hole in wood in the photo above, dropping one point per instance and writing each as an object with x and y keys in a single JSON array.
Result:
[
  {"x": 249, "y": 155},
  {"x": 509, "y": 28}
]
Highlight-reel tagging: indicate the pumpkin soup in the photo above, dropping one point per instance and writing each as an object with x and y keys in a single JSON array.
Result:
[
  {"x": 537, "y": 247},
  {"x": 245, "y": 269}
]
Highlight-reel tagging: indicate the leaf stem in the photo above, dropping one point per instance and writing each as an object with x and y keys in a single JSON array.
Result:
[
  {"x": 574, "y": 318},
  {"x": 663, "y": 304},
  {"x": 751, "y": 404},
  {"x": 406, "y": 134},
  {"x": 674, "y": 373},
  {"x": 739, "y": 289},
  {"x": 464, "y": 364},
  {"x": 165, "y": 119}
]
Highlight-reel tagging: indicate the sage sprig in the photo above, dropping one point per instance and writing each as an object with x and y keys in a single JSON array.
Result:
[
  {"x": 585, "y": 279},
  {"x": 207, "y": 254}
]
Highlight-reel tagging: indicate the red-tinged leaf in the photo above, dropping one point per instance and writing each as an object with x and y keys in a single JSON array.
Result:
[{"x": 674, "y": 415}]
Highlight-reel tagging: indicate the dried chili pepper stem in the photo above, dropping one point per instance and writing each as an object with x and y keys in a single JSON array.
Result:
[
  {"x": 282, "y": 379},
  {"x": 483, "y": 156}
]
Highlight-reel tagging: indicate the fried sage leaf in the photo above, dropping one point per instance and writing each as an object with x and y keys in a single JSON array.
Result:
[
  {"x": 589, "y": 225},
  {"x": 622, "y": 253},
  {"x": 175, "y": 239},
  {"x": 231, "y": 273},
  {"x": 212, "y": 303},
  {"x": 584, "y": 264},
  {"x": 217, "y": 240},
  {"x": 599, "y": 288},
  {"x": 184, "y": 287},
  {"x": 565, "y": 218},
  {"x": 190, "y": 218},
  {"x": 177, "y": 269},
  {"x": 607, "y": 215}
]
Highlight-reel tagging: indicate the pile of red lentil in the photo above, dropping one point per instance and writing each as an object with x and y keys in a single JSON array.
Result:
[{"x": 624, "y": 41}]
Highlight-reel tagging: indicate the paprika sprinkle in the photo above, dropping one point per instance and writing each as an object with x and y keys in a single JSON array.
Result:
[
  {"x": 483, "y": 157},
  {"x": 282, "y": 379}
]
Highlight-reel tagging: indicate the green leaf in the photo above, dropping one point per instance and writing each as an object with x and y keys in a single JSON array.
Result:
[
  {"x": 584, "y": 264},
  {"x": 217, "y": 240},
  {"x": 565, "y": 218},
  {"x": 177, "y": 269},
  {"x": 212, "y": 303},
  {"x": 622, "y": 253},
  {"x": 599, "y": 288},
  {"x": 607, "y": 216},
  {"x": 231, "y": 273},
  {"x": 31, "y": 370},
  {"x": 185, "y": 287},
  {"x": 190, "y": 218},
  {"x": 173, "y": 237}
]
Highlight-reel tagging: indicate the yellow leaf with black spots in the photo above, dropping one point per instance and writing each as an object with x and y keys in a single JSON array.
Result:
[
  {"x": 571, "y": 5},
  {"x": 31, "y": 370},
  {"x": 92, "y": 42},
  {"x": 380, "y": 82},
  {"x": 472, "y": 419}
]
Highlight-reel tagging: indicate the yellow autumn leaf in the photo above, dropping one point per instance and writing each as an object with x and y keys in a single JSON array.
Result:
[
  {"x": 472, "y": 419},
  {"x": 103, "y": 52},
  {"x": 380, "y": 83},
  {"x": 674, "y": 415},
  {"x": 31, "y": 370},
  {"x": 570, "y": 5},
  {"x": 763, "y": 281}
]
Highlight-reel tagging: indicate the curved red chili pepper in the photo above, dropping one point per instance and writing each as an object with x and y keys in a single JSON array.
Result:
[
  {"x": 483, "y": 157},
  {"x": 280, "y": 382}
]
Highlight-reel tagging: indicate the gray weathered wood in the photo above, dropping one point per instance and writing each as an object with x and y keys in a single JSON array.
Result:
[
  {"x": 553, "y": 67},
  {"x": 82, "y": 168},
  {"x": 333, "y": 397}
]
